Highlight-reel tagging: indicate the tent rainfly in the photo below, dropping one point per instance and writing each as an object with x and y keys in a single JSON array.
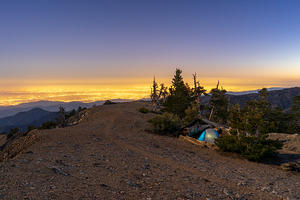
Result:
[{"x": 202, "y": 130}]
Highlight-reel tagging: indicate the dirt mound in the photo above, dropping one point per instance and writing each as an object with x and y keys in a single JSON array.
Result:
[
  {"x": 291, "y": 141},
  {"x": 109, "y": 155},
  {"x": 17, "y": 144}
]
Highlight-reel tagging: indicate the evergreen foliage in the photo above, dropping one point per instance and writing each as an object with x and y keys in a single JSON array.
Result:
[
  {"x": 108, "y": 102},
  {"x": 61, "y": 118},
  {"x": 219, "y": 105},
  {"x": 252, "y": 148},
  {"x": 12, "y": 132},
  {"x": 48, "y": 125},
  {"x": 30, "y": 128},
  {"x": 179, "y": 98},
  {"x": 80, "y": 109},
  {"x": 191, "y": 113},
  {"x": 167, "y": 123},
  {"x": 143, "y": 110},
  {"x": 259, "y": 118},
  {"x": 295, "y": 114},
  {"x": 71, "y": 113}
]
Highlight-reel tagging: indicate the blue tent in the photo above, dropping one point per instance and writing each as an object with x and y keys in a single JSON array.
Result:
[{"x": 209, "y": 135}]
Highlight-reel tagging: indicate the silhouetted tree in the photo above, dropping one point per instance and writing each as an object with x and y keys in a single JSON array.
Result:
[
  {"x": 12, "y": 132},
  {"x": 218, "y": 105},
  {"x": 295, "y": 115},
  {"x": 61, "y": 118},
  {"x": 198, "y": 91},
  {"x": 296, "y": 106},
  {"x": 258, "y": 117},
  {"x": 179, "y": 98},
  {"x": 30, "y": 128},
  {"x": 158, "y": 96},
  {"x": 235, "y": 118}
]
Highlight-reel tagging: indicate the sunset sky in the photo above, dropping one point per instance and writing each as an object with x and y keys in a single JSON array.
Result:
[{"x": 93, "y": 50}]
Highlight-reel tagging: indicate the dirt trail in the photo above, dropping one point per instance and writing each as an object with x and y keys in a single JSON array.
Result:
[{"x": 110, "y": 156}]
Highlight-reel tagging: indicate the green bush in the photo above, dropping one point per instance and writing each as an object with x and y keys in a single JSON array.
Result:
[
  {"x": 144, "y": 110},
  {"x": 80, "y": 109},
  {"x": 233, "y": 131},
  {"x": 71, "y": 114},
  {"x": 12, "y": 132},
  {"x": 167, "y": 123},
  {"x": 253, "y": 148},
  {"x": 48, "y": 125},
  {"x": 30, "y": 128},
  {"x": 191, "y": 114},
  {"x": 108, "y": 102}
]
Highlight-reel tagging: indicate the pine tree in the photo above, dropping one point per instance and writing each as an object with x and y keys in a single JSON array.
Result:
[
  {"x": 61, "y": 118},
  {"x": 296, "y": 106},
  {"x": 235, "y": 118},
  {"x": 219, "y": 105},
  {"x": 179, "y": 98},
  {"x": 295, "y": 115},
  {"x": 256, "y": 113}
]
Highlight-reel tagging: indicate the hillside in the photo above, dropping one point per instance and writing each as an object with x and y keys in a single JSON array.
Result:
[
  {"x": 22, "y": 120},
  {"x": 109, "y": 155}
]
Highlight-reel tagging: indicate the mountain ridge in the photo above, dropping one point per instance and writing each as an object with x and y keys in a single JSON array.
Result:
[
  {"x": 278, "y": 98},
  {"x": 22, "y": 120}
]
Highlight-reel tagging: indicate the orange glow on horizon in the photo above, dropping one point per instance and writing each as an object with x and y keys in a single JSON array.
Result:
[{"x": 91, "y": 90}]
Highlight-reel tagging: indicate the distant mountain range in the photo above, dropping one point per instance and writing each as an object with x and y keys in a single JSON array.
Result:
[
  {"x": 278, "y": 97},
  {"x": 36, "y": 113},
  {"x": 22, "y": 120},
  {"x": 282, "y": 98},
  {"x": 51, "y": 106},
  {"x": 254, "y": 91}
]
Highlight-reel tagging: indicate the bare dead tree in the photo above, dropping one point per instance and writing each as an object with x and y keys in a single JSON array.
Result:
[
  {"x": 158, "y": 96},
  {"x": 198, "y": 91},
  {"x": 211, "y": 113},
  {"x": 163, "y": 93},
  {"x": 213, "y": 107}
]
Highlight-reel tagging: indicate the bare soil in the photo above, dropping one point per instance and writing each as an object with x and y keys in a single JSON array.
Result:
[
  {"x": 109, "y": 155},
  {"x": 291, "y": 141}
]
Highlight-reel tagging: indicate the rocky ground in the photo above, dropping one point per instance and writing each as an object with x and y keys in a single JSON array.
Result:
[
  {"x": 109, "y": 155},
  {"x": 291, "y": 141}
]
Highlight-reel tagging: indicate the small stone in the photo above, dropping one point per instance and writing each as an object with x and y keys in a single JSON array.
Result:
[
  {"x": 97, "y": 164},
  {"x": 59, "y": 171},
  {"x": 25, "y": 161},
  {"x": 225, "y": 191},
  {"x": 104, "y": 185},
  {"x": 292, "y": 166}
]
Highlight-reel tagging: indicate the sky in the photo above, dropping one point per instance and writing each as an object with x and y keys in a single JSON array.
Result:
[{"x": 88, "y": 50}]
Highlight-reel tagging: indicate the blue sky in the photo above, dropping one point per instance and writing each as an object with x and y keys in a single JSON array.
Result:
[{"x": 233, "y": 41}]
